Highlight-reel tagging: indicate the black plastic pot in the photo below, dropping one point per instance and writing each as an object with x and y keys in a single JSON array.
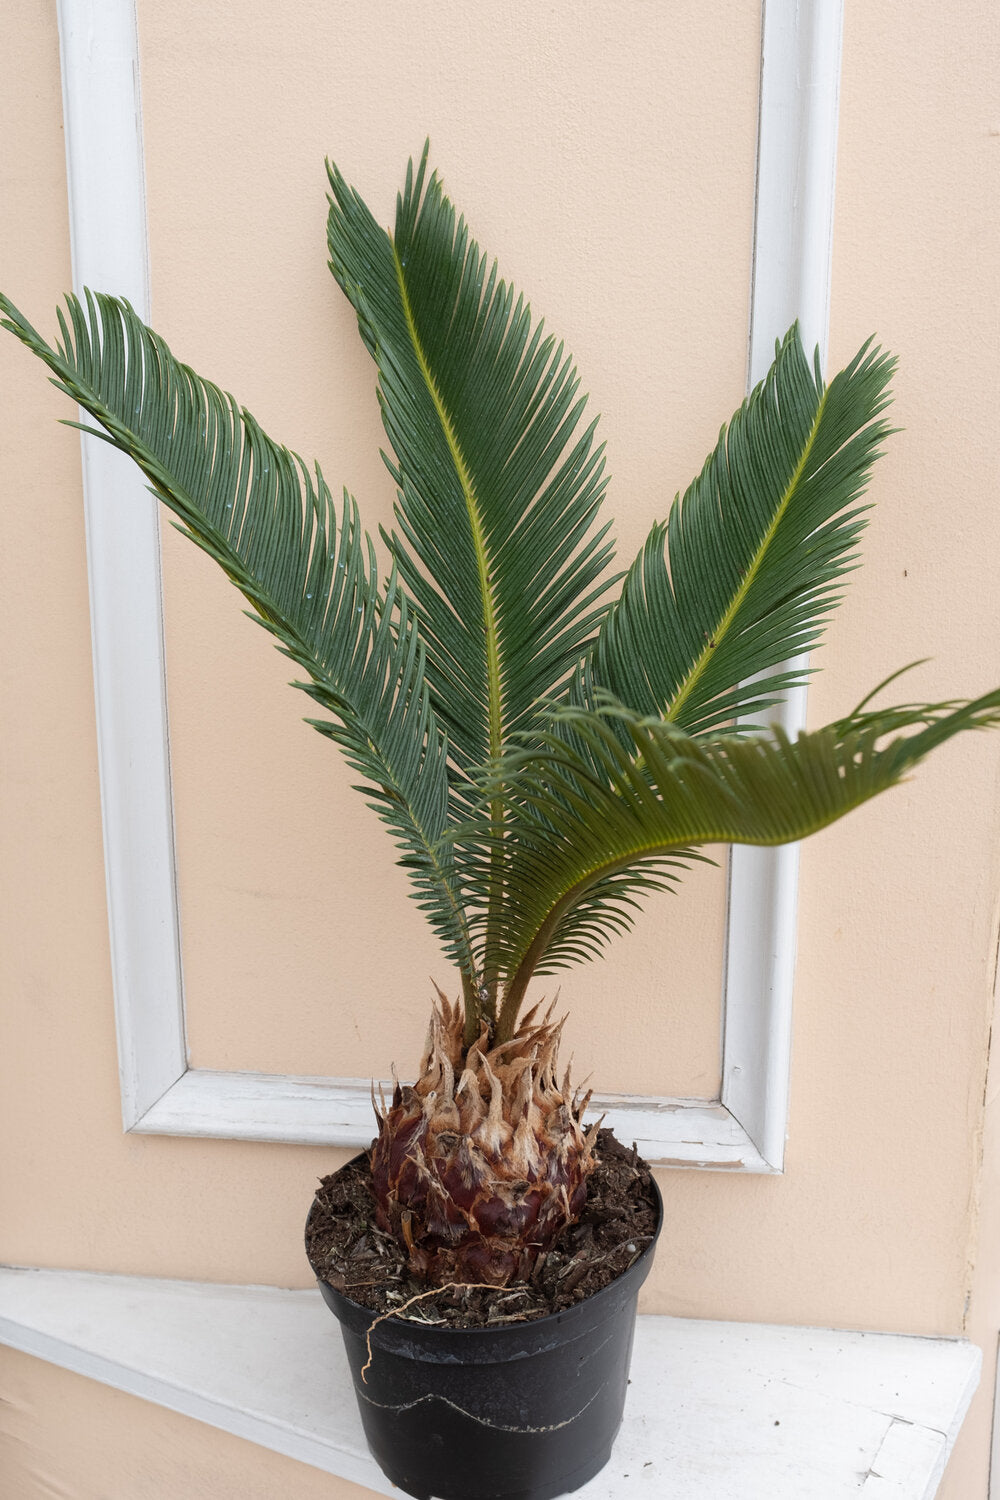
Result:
[{"x": 526, "y": 1411}]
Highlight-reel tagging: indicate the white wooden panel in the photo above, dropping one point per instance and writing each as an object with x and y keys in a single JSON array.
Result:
[
  {"x": 715, "y": 1411},
  {"x": 100, "y": 72},
  {"x": 796, "y": 169},
  {"x": 338, "y": 1112},
  {"x": 995, "y": 1446}
]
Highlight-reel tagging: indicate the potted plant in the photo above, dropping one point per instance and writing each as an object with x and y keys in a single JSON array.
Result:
[{"x": 547, "y": 743}]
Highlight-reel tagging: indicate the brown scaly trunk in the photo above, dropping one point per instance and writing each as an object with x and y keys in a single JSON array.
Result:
[{"x": 483, "y": 1161}]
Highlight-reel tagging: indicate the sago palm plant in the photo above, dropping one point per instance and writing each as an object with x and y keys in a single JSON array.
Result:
[{"x": 546, "y": 747}]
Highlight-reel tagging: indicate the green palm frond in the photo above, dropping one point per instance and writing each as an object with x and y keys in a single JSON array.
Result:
[
  {"x": 543, "y": 758},
  {"x": 591, "y": 830},
  {"x": 745, "y": 571},
  {"x": 271, "y": 525},
  {"x": 498, "y": 491}
]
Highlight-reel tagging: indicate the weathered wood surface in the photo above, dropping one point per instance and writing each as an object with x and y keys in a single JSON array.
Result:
[{"x": 338, "y": 1112}]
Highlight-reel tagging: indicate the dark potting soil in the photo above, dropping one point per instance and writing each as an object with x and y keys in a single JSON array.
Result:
[{"x": 346, "y": 1249}]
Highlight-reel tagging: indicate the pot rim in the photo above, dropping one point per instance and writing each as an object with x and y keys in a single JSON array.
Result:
[{"x": 515, "y": 1330}]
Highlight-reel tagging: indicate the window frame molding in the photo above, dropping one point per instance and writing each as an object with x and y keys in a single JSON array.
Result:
[{"x": 745, "y": 1129}]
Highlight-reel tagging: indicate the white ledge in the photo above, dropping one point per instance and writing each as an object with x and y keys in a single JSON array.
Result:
[
  {"x": 338, "y": 1112},
  {"x": 715, "y": 1410}
]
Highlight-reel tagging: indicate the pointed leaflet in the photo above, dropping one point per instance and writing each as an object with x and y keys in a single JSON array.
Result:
[
  {"x": 591, "y": 831},
  {"x": 745, "y": 571},
  {"x": 498, "y": 493},
  {"x": 256, "y": 509}
]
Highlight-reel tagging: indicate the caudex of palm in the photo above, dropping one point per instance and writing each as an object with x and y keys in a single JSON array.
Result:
[{"x": 546, "y": 741}]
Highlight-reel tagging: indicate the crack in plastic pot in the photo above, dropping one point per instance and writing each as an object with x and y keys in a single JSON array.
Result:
[{"x": 494, "y": 1426}]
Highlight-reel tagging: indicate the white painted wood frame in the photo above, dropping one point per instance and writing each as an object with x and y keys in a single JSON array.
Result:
[
  {"x": 745, "y": 1130},
  {"x": 994, "y": 1484}
]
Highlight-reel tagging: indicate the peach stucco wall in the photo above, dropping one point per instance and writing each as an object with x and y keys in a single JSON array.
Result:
[
  {"x": 290, "y": 866},
  {"x": 606, "y": 155}
]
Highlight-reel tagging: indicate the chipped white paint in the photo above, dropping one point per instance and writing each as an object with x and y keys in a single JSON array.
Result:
[
  {"x": 906, "y": 1459},
  {"x": 745, "y": 1132},
  {"x": 715, "y": 1410},
  {"x": 338, "y": 1112}
]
